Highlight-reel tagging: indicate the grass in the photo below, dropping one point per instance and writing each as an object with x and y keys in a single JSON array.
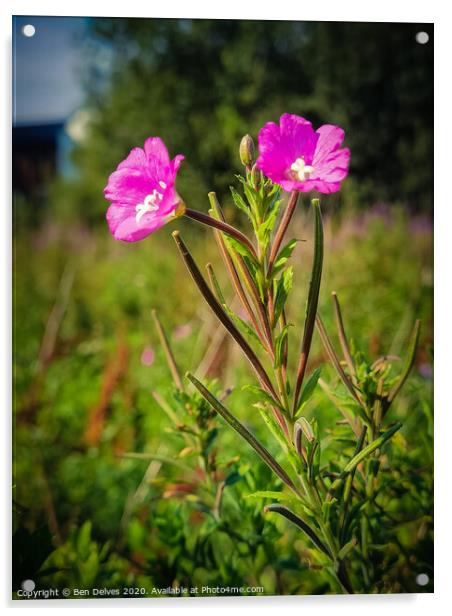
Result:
[{"x": 87, "y": 359}]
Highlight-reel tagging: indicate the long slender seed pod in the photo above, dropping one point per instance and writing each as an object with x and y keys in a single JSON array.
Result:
[
  {"x": 248, "y": 280},
  {"x": 168, "y": 352},
  {"x": 223, "y": 226},
  {"x": 292, "y": 517},
  {"x": 313, "y": 299},
  {"x": 343, "y": 338},
  {"x": 215, "y": 285},
  {"x": 244, "y": 432},
  {"x": 334, "y": 358},
  {"x": 377, "y": 414},
  {"x": 218, "y": 213},
  {"x": 236, "y": 283},
  {"x": 257, "y": 302},
  {"x": 412, "y": 347},
  {"x": 283, "y": 320},
  {"x": 223, "y": 317}
]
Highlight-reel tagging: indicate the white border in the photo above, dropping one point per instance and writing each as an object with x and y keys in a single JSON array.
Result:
[{"x": 345, "y": 10}]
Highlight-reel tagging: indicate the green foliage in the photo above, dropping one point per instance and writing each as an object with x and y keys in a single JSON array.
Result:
[
  {"x": 144, "y": 531},
  {"x": 201, "y": 84}
]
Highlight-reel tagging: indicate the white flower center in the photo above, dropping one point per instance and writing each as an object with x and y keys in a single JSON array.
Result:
[
  {"x": 151, "y": 202},
  {"x": 300, "y": 170}
]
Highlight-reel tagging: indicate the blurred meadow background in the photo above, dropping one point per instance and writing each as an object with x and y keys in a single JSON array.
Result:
[{"x": 90, "y": 378}]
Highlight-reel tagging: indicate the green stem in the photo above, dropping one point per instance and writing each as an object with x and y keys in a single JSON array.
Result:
[
  {"x": 244, "y": 433},
  {"x": 168, "y": 352},
  {"x": 238, "y": 286},
  {"x": 222, "y": 226},
  {"x": 223, "y": 317},
  {"x": 282, "y": 228}
]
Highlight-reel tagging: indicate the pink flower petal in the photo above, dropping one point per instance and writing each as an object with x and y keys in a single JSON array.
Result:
[
  {"x": 282, "y": 146},
  {"x": 334, "y": 167},
  {"x": 141, "y": 191},
  {"x": 330, "y": 139},
  {"x": 136, "y": 159},
  {"x": 123, "y": 223}
]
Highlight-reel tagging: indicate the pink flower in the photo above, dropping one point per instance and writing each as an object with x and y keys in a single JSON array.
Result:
[
  {"x": 142, "y": 193},
  {"x": 147, "y": 356},
  {"x": 182, "y": 331},
  {"x": 299, "y": 158}
]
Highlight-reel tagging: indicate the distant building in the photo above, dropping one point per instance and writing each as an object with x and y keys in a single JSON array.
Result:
[
  {"x": 42, "y": 151},
  {"x": 36, "y": 157}
]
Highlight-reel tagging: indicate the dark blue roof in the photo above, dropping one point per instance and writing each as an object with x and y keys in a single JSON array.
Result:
[{"x": 23, "y": 133}]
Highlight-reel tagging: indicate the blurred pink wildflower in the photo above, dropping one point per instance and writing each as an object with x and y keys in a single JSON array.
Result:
[
  {"x": 142, "y": 193},
  {"x": 299, "y": 158},
  {"x": 147, "y": 356},
  {"x": 182, "y": 331}
]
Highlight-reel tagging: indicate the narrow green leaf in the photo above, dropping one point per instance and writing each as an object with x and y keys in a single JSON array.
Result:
[
  {"x": 244, "y": 326},
  {"x": 372, "y": 447},
  {"x": 216, "y": 285},
  {"x": 244, "y": 432},
  {"x": 240, "y": 203},
  {"x": 292, "y": 517},
  {"x": 353, "y": 517},
  {"x": 346, "y": 549},
  {"x": 408, "y": 362},
  {"x": 240, "y": 248},
  {"x": 308, "y": 390},
  {"x": 261, "y": 393},
  {"x": 280, "y": 345},
  {"x": 266, "y": 227},
  {"x": 313, "y": 299},
  {"x": 283, "y": 287},
  {"x": 313, "y": 459},
  {"x": 279, "y": 496},
  {"x": 158, "y": 458},
  {"x": 283, "y": 256},
  {"x": 250, "y": 194},
  {"x": 335, "y": 359},
  {"x": 349, "y": 480},
  {"x": 279, "y": 435},
  {"x": 326, "y": 509}
]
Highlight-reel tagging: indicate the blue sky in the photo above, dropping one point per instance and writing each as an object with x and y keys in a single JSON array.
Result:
[{"x": 47, "y": 68}]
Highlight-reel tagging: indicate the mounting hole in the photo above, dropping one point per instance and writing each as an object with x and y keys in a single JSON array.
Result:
[
  {"x": 28, "y": 30},
  {"x": 422, "y": 579},
  {"x": 422, "y": 38},
  {"x": 28, "y": 585}
]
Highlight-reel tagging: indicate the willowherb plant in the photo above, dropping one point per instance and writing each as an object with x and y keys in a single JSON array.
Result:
[
  {"x": 204, "y": 481},
  {"x": 333, "y": 502}
]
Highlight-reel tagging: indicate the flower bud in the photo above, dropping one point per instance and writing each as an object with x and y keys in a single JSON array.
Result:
[
  {"x": 256, "y": 176},
  {"x": 246, "y": 151},
  {"x": 306, "y": 429}
]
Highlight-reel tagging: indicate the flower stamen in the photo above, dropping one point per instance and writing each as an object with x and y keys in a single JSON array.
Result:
[
  {"x": 151, "y": 203},
  {"x": 300, "y": 170}
]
